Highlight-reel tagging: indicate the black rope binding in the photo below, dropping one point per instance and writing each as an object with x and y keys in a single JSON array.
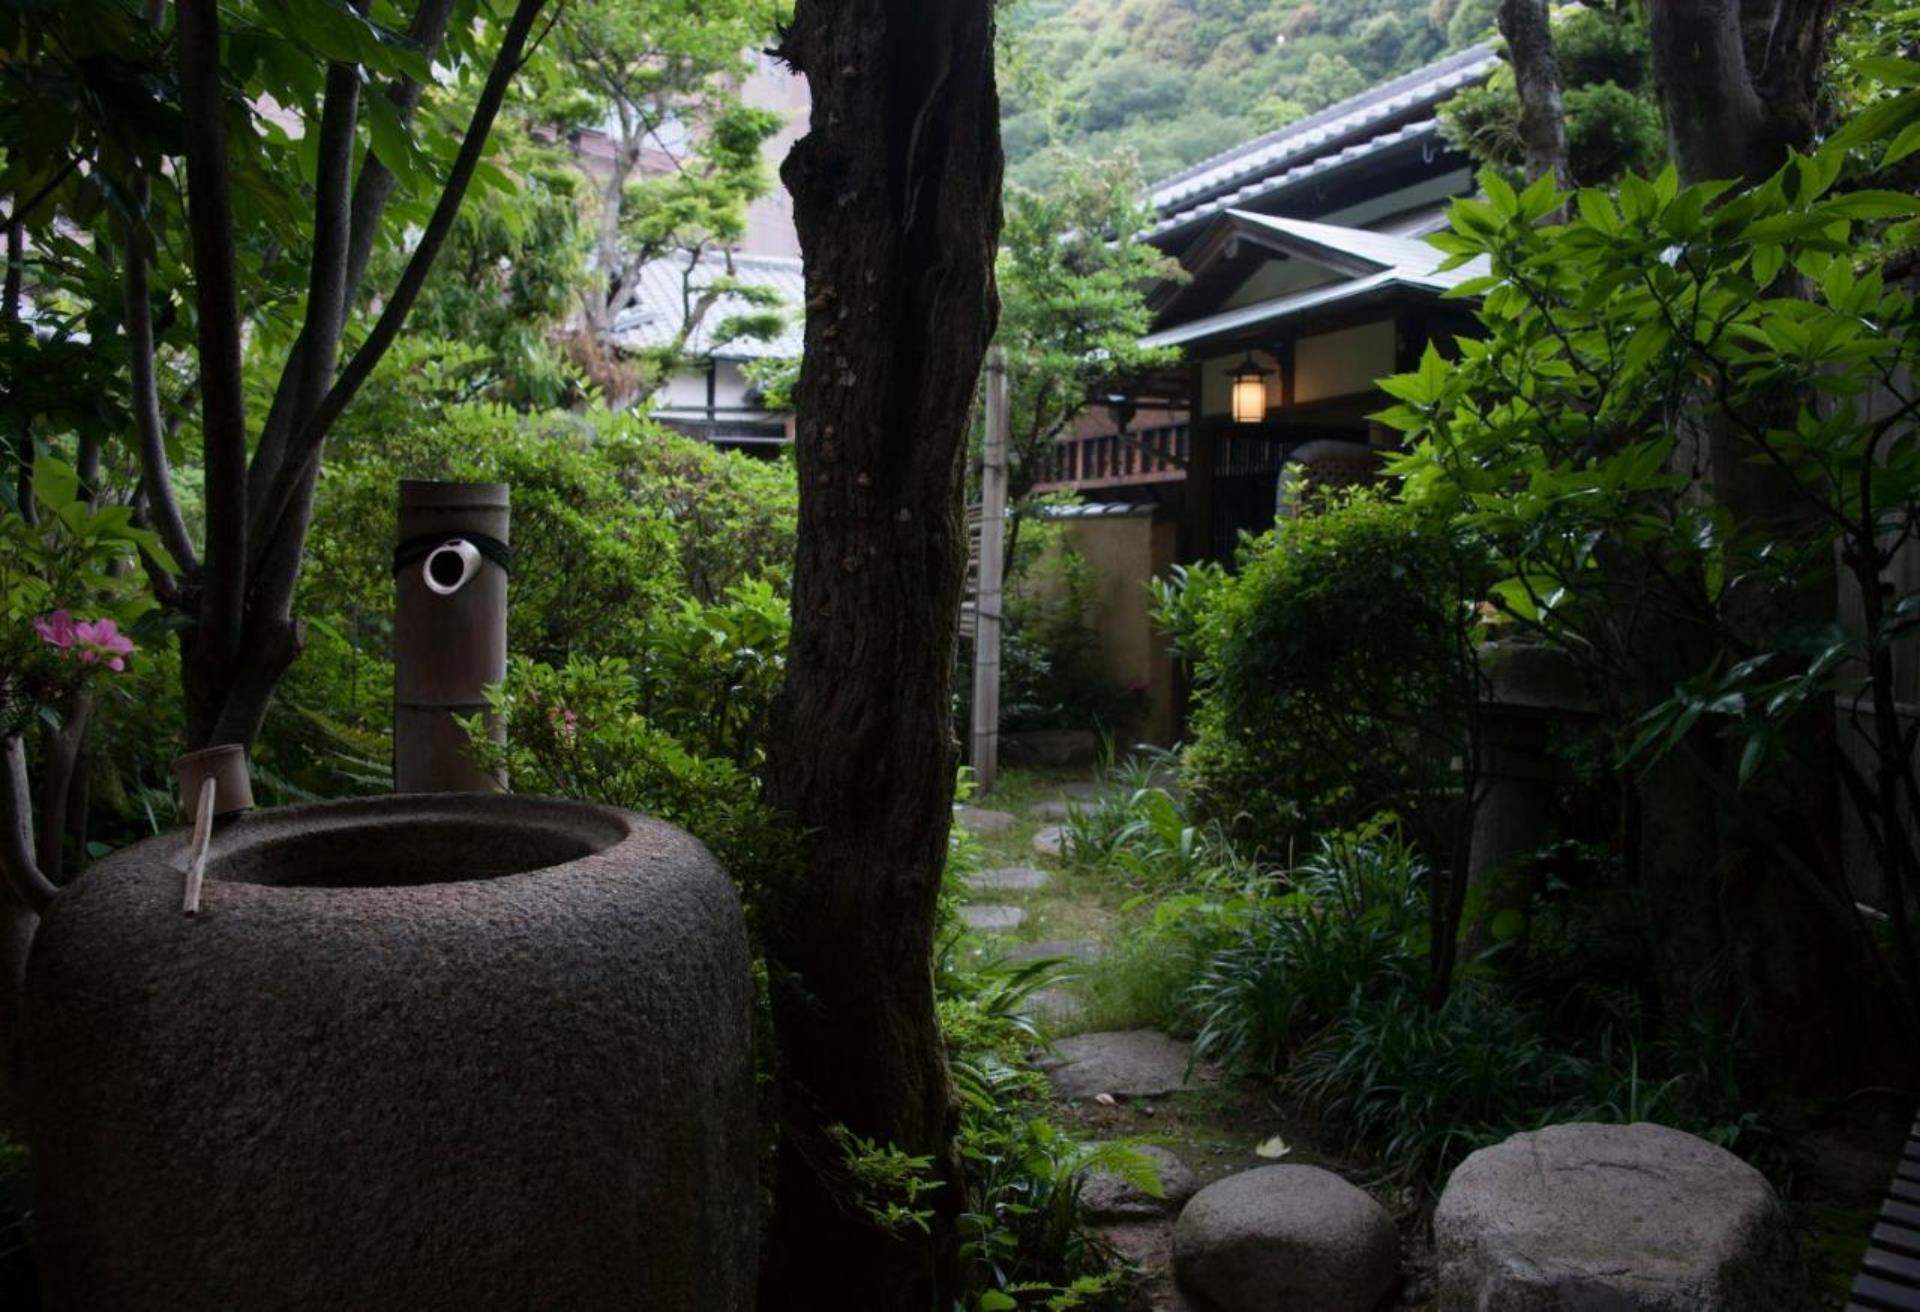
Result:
[{"x": 415, "y": 550}]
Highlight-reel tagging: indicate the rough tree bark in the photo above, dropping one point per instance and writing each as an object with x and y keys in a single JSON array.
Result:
[
  {"x": 1739, "y": 80},
  {"x": 1749, "y": 886},
  {"x": 897, "y": 201},
  {"x": 1536, "y": 76}
]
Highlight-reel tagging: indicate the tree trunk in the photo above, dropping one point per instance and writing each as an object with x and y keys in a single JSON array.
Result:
[
  {"x": 897, "y": 202},
  {"x": 1536, "y": 75},
  {"x": 1738, "y": 82},
  {"x": 1748, "y": 888}
]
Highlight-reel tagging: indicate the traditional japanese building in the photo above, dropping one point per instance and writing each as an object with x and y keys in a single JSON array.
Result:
[{"x": 1308, "y": 278}]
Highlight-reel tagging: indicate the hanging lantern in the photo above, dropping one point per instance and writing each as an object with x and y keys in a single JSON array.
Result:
[{"x": 1249, "y": 392}]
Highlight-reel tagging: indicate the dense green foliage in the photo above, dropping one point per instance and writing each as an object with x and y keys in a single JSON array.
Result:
[
  {"x": 1300, "y": 722},
  {"x": 1072, "y": 275},
  {"x": 1612, "y": 123},
  {"x": 1177, "y": 80},
  {"x": 1553, "y": 439},
  {"x": 1315, "y": 974}
]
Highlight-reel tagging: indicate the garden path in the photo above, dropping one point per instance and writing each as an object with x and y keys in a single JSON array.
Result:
[{"x": 1114, "y": 1076}]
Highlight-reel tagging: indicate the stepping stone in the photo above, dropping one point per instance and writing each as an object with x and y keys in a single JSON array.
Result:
[
  {"x": 1011, "y": 879},
  {"x": 1148, "y": 1245},
  {"x": 1300, "y": 1239},
  {"x": 1054, "y": 1006},
  {"x": 1106, "y": 1196},
  {"x": 1056, "y": 810},
  {"x": 1626, "y": 1216},
  {"x": 1086, "y": 790},
  {"x": 1074, "y": 949},
  {"x": 1125, "y": 1063},
  {"x": 980, "y": 821},
  {"x": 993, "y": 919},
  {"x": 1049, "y": 841}
]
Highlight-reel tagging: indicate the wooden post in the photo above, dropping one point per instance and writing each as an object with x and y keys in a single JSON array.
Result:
[{"x": 993, "y": 540}]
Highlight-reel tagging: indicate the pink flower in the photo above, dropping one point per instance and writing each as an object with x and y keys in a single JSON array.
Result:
[
  {"x": 57, "y": 629},
  {"x": 91, "y": 642},
  {"x": 566, "y": 721}
]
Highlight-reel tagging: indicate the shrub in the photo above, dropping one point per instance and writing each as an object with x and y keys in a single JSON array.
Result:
[
  {"x": 1333, "y": 672},
  {"x": 616, "y": 524},
  {"x": 577, "y": 730}
]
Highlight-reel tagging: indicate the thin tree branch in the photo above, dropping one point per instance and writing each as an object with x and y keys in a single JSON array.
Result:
[
  {"x": 293, "y": 483},
  {"x": 17, "y": 862},
  {"x": 156, "y": 472},
  {"x": 222, "y": 403},
  {"x": 369, "y": 202}
]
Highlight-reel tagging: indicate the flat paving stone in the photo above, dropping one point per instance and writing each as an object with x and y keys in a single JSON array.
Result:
[
  {"x": 979, "y": 820},
  {"x": 1050, "y": 841},
  {"x": 1074, "y": 949},
  {"x": 992, "y": 919},
  {"x": 1056, "y": 809},
  {"x": 1148, "y": 1245},
  {"x": 1011, "y": 879},
  {"x": 1085, "y": 790},
  {"x": 1125, "y": 1063},
  {"x": 1106, "y": 1196}
]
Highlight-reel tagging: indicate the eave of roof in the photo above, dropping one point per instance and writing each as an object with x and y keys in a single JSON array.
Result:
[
  {"x": 1402, "y": 266},
  {"x": 1336, "y": 130}
]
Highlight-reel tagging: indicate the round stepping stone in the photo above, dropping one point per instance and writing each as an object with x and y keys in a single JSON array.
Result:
[
  {"x": 1011, "y": 879},
  {"x": 1107, "y": 1196},
  {"x": 1127, "y": 1063},
  {"x": 978, "y": 820},
  {"x": 1050, "y": 841},
  {"x": 1643, "y": 1218},
  {"x": 1074, "y": 949},
  {"x": 1056, "y": 810},
  {"x": 1287, "y": 1239},
  {"x": 993, "y": 919},
  {"x": 1085, "y": 790}
]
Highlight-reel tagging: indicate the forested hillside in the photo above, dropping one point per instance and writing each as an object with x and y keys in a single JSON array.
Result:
[{"x": 1177, "y": 80}]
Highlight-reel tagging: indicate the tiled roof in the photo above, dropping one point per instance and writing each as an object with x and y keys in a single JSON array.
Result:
[
  {"x": 1382, "y": 250},
  {"x": 1340, "y": 134},
  {"x": 654, "y": 319},
  {"x": 1399, "y": 262}
]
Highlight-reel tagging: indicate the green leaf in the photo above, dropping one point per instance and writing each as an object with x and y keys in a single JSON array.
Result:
[
  {"x": 55, "y": 485},
  {"x": 1507, "y": 926},
  {"x": 1872, "y": 204},
  {"x": 1596, "y": 207}
]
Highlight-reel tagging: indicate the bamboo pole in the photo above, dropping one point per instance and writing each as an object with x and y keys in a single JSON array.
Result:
[{"x": 993, "y": 538}]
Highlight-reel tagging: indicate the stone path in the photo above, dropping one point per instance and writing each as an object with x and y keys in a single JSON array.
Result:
[
  {"x": 1010, "y": 879},
  {"x": 979, "y": 820},
  {"x": 1124, "y": 1064},
  {"x": 1101, "y": 1071},
  {"x": 989, "y": 918},
  {"x": 1074, "y": 949}
]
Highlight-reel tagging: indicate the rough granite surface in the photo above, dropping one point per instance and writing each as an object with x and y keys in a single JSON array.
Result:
[
  {"x": 1616, "y": 1218},
  {"x": 1285, "y": 1239},
  {"x": 455, "y": 1052}
]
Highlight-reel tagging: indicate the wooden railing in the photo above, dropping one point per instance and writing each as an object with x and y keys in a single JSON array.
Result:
[{"x": 1150, "y": 455}]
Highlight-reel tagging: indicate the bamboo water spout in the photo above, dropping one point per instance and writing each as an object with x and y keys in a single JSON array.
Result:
[{"x": 449, "y": 630}]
